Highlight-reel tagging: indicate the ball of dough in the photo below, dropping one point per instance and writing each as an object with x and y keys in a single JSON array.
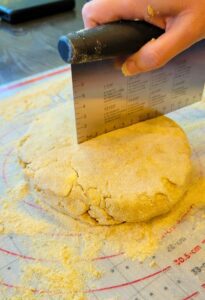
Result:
[{"x": 128, "y": 175}]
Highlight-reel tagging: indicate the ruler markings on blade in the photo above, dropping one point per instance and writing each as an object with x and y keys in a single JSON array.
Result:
[{"x": 105, "y": 100}]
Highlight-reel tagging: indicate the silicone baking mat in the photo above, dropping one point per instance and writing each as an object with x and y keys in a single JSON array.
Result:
[{"x": 179, "y": 269}]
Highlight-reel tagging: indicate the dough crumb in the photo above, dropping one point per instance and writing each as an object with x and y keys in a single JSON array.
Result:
[{"x": 150, "y": 11}]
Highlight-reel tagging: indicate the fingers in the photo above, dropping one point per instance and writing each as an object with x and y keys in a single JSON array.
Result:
[
  {"x": 156, "y": 53},
  {"x": 181, "y": 19},
  {"x": 99, "y": 12}
]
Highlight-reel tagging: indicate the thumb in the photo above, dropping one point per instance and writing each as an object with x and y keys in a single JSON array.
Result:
[{"x": 181, "y": 34}]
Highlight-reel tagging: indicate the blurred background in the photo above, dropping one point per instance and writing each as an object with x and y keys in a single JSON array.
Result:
[{"x": 31, "y": 47}]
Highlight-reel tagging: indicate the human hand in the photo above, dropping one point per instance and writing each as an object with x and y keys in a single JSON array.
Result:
[{"x": 183, "y": 21}]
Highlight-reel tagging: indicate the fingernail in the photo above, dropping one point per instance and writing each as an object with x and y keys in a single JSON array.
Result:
[{"x": 129, "y": 68}]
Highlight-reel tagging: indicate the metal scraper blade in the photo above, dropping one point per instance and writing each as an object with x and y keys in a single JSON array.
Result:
[{"x": 105, "y": 100}]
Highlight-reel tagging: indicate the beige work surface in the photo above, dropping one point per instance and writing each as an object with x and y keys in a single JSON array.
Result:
[{"x": 177, "y": 270}]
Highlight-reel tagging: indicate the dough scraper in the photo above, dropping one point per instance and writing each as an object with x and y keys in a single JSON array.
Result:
[{"x": 104, "y": 99}]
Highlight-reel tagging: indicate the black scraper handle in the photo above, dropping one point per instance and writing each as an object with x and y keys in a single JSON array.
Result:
[{"x": 106, "y": 41}]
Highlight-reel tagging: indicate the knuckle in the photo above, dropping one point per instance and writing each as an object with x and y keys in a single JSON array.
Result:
[{"x": 152, "y": 58}]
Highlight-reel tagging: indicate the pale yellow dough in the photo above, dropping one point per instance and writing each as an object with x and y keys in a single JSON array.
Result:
[{"x": 128, "y": 175}]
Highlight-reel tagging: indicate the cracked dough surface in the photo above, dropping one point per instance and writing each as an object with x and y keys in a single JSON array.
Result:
[{"x": 128, "y": 175}]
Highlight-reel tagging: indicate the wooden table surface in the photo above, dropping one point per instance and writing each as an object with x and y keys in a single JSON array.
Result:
[{"x": 30, "y": 48}]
